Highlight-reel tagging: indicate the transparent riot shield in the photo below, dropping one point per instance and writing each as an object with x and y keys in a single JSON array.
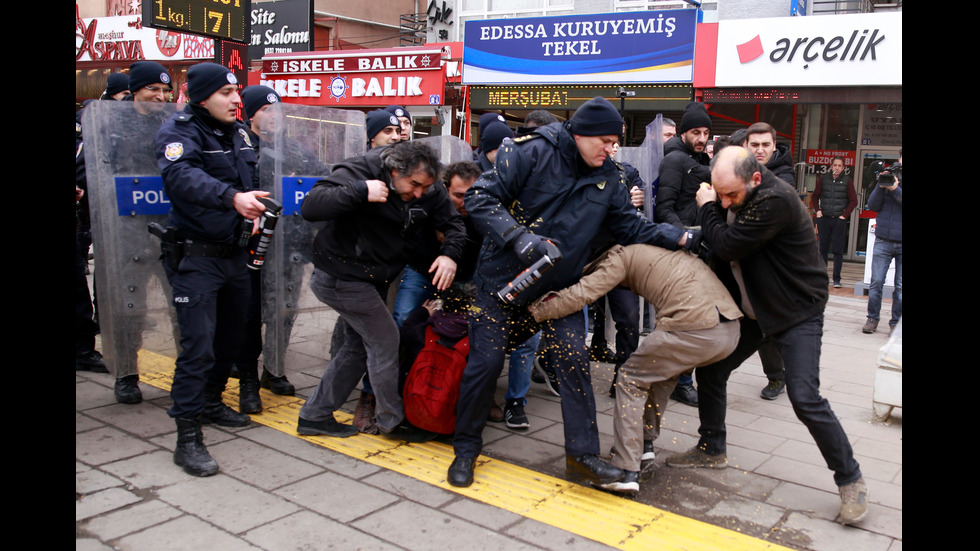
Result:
[
  {"x": 298, "y": 148},
  {"x": 646, "y": 158},
  {"x": 450, "y": 149},
  {"x": 125, "y": 195}
]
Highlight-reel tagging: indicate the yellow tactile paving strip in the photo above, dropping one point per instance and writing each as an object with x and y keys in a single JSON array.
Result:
[{"x": 592, "y": 514}]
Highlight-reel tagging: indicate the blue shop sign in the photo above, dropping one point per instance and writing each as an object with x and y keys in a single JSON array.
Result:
[{"x": 649, "y": 46}]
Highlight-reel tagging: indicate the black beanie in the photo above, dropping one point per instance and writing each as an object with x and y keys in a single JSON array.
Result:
[
  {"x": 377, "y": 120},
  {"x": 488, "y": 118},
  {"x": 205, "y": 79},
  {"x": 397, "y": 110},
  {"x": 145, "y": 73},
  {"x": 254, "y": 97},
  {"x": 695, "y": 116},
  {"x": 596, "y": 117},
  {"x": 117, "y": 82},
  {"x": 493, "y": 135}
]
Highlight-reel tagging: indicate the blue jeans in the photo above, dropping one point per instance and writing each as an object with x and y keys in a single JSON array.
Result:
[
  {"x": 413, "y": 290},
  {"x": 800, "y": 348},
  {"x": 884, "y": 252},
  {"x": 519, "y": 372}
]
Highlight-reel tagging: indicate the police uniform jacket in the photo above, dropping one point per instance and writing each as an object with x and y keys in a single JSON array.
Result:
[
  {"x": 204, "y": 163},
  {"x": 372, "y": 242},
  {"x": 541, "y": 183},
  {"x": 772, "y": 238},
  {"x": 681, "y": 174}
]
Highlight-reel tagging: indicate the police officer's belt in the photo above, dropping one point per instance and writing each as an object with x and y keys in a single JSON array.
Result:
[{"x": 204, "y": 248}]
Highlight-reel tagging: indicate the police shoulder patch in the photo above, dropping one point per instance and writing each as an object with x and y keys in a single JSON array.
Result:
[
  {"x": 245, "y": 137},
  {"x": 173, "y": 151}
]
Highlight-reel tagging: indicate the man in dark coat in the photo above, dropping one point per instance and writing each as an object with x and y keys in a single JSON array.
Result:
[{"x": 766, "y": 240}]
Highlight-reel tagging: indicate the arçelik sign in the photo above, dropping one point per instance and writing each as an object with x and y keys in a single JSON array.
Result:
[{"x": 833, "y": 50}]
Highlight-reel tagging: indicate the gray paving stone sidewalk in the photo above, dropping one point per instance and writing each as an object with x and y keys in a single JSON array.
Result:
[{"x": 278, "y": 492}]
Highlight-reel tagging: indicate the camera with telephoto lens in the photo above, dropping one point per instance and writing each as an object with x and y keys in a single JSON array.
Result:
[{"x": 885, "y": 175}]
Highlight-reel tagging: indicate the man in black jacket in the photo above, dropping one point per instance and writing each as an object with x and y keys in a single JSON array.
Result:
[
  {"x": 760, "y": 139},
  {"x": 780, "y": 281},
  {"x": 373, "y": 205}
]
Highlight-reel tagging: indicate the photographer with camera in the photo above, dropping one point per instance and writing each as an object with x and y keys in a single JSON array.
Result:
[
  {"x": 886, "y": 200},
  {"x": 833, "y": 199}
]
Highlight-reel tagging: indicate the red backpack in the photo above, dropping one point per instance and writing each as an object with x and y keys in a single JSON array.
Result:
[{"x": 432, "y": 385}]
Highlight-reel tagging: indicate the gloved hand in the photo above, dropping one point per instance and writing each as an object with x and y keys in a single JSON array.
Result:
[
  {"x": 694, "y": 239},
  {"x": 530, "y": 247}
]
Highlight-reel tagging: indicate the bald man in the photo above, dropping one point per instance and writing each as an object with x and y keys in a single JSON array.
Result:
[{"x": 763, "y": 242}]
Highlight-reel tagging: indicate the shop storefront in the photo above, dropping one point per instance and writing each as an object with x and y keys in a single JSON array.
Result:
[
  {"x": 365, "y": 79},
  {"x": 640, "y": 61},
  {"x": 830, "y": 85},
  {"x": 105, "y": 45}
]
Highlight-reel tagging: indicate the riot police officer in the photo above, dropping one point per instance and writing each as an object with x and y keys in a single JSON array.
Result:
[{"x": 208, "y": 164}]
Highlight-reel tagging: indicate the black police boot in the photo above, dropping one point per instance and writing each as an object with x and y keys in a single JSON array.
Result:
[
  {"x": 190, "y": 452},
  {"x": 277, "y": 385},
  {"x": 215, "y": 411},
  {"x": 593, "y": 469},
  {"x": 249, "y": 400},
  {"x": 127, "y": 390}
]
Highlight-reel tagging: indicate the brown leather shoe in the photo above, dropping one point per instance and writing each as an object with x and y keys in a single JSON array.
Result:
[
  {"x": 496, "y": 414},
  {"x": 870, "y": 326},
  {"x": 364, "y": 413}
]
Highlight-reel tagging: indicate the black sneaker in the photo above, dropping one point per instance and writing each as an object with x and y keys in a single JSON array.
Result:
[
  {"x": 550, "y": 378},
  {"x": 630, "y": 484},
  {"x": 514, "y": 415},
  {"x": 593, "y": 469},
  {"x": 327, "y": 427},
  {"x": 646, "y": 459},
  {"x": 773, "y": 389}
]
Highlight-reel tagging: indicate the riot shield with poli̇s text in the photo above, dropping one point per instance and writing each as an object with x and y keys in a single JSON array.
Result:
[
  {"x": 125, "y": 195},
  {"x": 298, "y": 145}
]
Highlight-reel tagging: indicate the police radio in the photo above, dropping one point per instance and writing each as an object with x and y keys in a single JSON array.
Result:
[
  {"x": 532, "y": 274},
  {"x": 267, "y": 227}
]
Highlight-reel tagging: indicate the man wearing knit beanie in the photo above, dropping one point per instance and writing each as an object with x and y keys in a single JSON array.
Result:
[
  {"x": 255, "y": 102},
  {"x": 150, "y": 82},
  {"x": 684, "y": 167},
  {"x": 553, "y": 189},
  {"x": 116, "y": 87},
  {"x": 490, "y": 141},
  {"x": 208, "y": 164},
  {"x": 382, "y": 128},
  {"x": 404, "y": 120}
]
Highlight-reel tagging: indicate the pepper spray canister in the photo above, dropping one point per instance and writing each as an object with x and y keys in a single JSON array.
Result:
[{"x": 267, "y": 228}]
